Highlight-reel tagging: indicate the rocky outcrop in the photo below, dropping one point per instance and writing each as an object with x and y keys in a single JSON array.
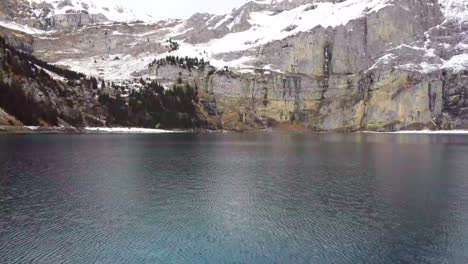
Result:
[
  {"x": 99, "y": 42},
  {"x": 17, "y": 39},
  {"x": 455, "y": 98},
  {"x": 40, "y": 15},
  {"x": 71, "y": 21},
  {"x": 11, "y": 9},
  {"x": 8, "y": 120}
]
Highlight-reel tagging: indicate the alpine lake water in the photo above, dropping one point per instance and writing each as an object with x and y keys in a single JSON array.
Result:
[{"x": 234, "y": 198}]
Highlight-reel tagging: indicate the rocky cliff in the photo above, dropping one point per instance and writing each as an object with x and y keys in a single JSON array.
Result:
[
  {"x": 382, "y": 71},
  {"x": 322, "y": 65}
]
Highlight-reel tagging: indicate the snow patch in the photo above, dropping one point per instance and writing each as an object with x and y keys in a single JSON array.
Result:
[
  {"x": 422, "y": 67},
  {"x": 422, "y": 132},
  {"x": 130, "y": 130},
  {"x": 457, "y": 63},
  {"x": 455, "y": 10},
  {"x": 269, "y": 26},
  {"x": 21, "y": 28},
  {"x": 384, "y": 60},
  {"x": 113, "y": 10},
  {"x": 112, "y": 67},
  {"x": 434, "y": 132}
]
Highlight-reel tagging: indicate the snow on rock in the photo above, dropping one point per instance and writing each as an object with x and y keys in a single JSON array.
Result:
[
  {"x": 111, "y": 9},
  {"x": 410, "y": 58},
  {"x": 455, "y": 10},
  {"x": 268, "y": 26},
  {"x": 21, "y": 28},
  {"x": 53, "y": 75},
  {"x": 386, "y": 59},
  {"x": 457, "y": 63},
  {"x": 265, "y": 26},
  {"x": 113, "y": 67},
  {"x": 426, "y": 59},
  {"x": 422, "y": 67}
]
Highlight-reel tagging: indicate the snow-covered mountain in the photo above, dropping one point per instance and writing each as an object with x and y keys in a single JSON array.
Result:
[
  {"x": 232, "y": 40},
  {"x": 110, "y": 9},
  {"x": 49, "y": 15},
  {"x": 331, "y": 64},
  {"x": 261, "y": 22},
  {"x": 220, "y": 39}
]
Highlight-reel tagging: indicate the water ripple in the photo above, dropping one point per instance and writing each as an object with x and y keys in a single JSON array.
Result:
[{"x": 252, "y": 198}]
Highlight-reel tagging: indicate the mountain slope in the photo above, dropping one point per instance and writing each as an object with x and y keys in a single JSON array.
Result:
[
  {"x": 235, "y": 40},
  {"x": 35, "y": 93},
  {"x": 215, "y": 38},
  {"x": 37, "y": 16},
  {"x": 8, "y": 120},
  {"x": 324, "y": 65},
  {"x": 33, "y": 97},
  {"x": 108, "y": 8}
]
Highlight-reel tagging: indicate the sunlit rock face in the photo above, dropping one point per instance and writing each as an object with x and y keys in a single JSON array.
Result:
[{"x": 323, "y": 65}]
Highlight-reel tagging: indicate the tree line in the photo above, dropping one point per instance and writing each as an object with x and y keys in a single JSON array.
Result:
[{"x": 182, "y": 62}]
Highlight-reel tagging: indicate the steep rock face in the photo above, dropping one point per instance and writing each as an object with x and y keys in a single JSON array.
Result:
[
  {"x": 338, "y": 64},
  {"x": 398, "y": 100},
  {"x": 70, "y": 21},
  {"x": 62, "y": 21},
  {"x": 455, "y": 87},
  {"x": 391, "y": 100},
  {"x": 354, "y": 46},
  {"x": 328, "y": 78},
  {"x": 118, "y": 40}
]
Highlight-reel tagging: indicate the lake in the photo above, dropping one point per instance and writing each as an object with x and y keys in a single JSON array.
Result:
[{"x": 234, "y": 198}]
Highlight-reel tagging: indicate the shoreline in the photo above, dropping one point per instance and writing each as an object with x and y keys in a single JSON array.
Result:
[
  {"x": 129, "y": 130},
  {"x": 420, "y": 132},
  {"x": 85, "y": 130},
  {"x": 136, "y": 130}
]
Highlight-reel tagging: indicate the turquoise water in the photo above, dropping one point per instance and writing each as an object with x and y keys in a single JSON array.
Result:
[{"x": 233, "y": 198}]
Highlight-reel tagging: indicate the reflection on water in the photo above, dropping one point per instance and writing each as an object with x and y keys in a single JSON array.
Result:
[{"x": 234, "y": 198}]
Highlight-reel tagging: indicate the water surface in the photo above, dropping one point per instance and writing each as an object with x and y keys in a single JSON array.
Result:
[{"x": 233, "y": 198}]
